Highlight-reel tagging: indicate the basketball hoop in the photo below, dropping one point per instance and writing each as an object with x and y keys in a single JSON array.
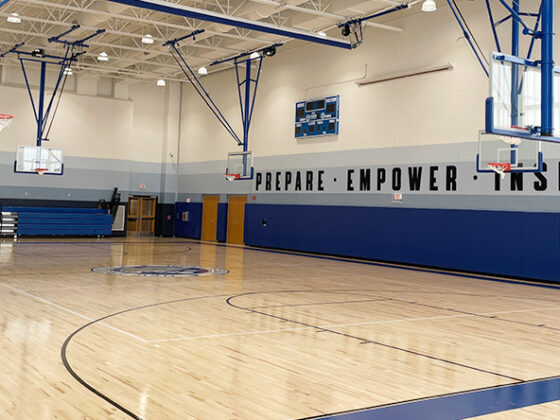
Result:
[
  {"x": 5, "y": 120},
  {"x": 233, "y": 177},
  {"x": 500, "y": 168},
  {"x": 41, "y": 171}
]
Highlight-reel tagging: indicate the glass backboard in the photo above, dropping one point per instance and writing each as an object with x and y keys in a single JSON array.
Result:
[
  {"x": 36, "y": 159},
  {"x": 239, "y": 165},
  {"x": 522, "y": 109},
  {"x": 521, "y": 155}
]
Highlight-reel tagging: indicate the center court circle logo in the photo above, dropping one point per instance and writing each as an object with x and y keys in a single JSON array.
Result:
[{"x": 160, "y": 270}]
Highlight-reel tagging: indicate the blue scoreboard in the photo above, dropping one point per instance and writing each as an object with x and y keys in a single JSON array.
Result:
[{"x": 317, "y": 117}]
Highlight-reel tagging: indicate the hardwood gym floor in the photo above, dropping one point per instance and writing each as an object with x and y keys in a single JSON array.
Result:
[{"x": 281, "y": 336}]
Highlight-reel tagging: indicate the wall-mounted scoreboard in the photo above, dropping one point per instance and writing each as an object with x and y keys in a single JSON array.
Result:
[{"x": 317, "y": 117}]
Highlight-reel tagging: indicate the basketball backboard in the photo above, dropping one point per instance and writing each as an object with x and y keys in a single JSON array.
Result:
[
  {"x": 239, "y": 166},
  {"x": 515, "y": 92},
  {"x": 39, "y": 160},
  {"x": 513, "y": 154}
]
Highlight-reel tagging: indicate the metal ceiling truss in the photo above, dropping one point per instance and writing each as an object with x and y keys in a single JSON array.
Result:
[
  {"x": 119, "y": 51},
  {"x": 73, "y": 49},
  {"x": 209, "y": 16},
  {"x": 191, "y": 24},
  {"x": 125, "y": 26}
]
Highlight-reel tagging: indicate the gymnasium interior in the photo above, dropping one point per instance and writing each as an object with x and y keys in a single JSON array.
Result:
[{"x": 264, "y": 209}]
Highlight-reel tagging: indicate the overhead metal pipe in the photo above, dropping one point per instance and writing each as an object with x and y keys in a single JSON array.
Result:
[
  {"x": 375, "y": 15},
  {"x": 547, "y": 63},
  {"x": 209, "y": 16},
  {"x": 515, "y": 68},
  {"x": 468, "y": 38}
]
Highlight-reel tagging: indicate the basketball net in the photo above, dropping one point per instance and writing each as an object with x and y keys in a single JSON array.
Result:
[
  {"x": 5, "y": 121},
  {"x": 41, "y": 171},
  {"x": 500, "y": 168},
  {"x": 233, "y": 177}
]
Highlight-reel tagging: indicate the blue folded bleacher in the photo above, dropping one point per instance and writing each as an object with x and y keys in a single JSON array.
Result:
[{"x": 45, "y": 221}]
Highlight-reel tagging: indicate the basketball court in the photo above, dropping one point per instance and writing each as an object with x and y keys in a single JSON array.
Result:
[
  {"x": 265, "y": 210},
  {"x": 281, "y": 335}
]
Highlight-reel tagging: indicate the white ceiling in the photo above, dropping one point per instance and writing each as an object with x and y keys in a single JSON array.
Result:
[{"x": 125, "y": 26}]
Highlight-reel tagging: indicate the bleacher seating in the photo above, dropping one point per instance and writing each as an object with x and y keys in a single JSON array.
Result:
[{"x": 46, "y": 221}]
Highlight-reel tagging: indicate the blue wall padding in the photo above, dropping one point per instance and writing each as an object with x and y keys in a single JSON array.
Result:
[
  {"x": 221, "y": 229},
  {"x": 62, "y": 221},
  {"x": 515, "y": 244},
  {"x": 192, "y": 228}
]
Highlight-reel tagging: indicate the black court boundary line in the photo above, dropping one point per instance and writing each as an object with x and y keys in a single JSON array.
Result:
[
  {"x": 389, "y": 264},
  {"x": 285, "y": 252},
  {"x": 361, "y": 339},
  {"x": 473, "y": 314},
  {"x": 379, "y": 298},
  {"x": 450, "y": 394},
  {"x": 414, "y": 267},
  {"x": 331, "y": 257},
  {"x": 128, "y": 412},
  {"x": 89, "y": 387},
  {"x": 366, "y": 341},
  {"x": 79, "y": 379}
]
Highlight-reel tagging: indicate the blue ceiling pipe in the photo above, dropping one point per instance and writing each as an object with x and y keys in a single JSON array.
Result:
[{"x": 209, "y": 16}]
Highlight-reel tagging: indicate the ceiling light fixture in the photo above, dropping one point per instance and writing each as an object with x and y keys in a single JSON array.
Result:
[
  {"x": 14, "y": 18},
  {"x": 103, "y": 56},
  {"x": 68, "y": 71},
  {"x": 254, "y": 55},
  {"x": 147, "y": 39},
  {"x": 203, "y": 70},
  {"x": 321, "y": 33},
  {"x": 161, "y": 82},
  {"x": 429, "y": 6}
]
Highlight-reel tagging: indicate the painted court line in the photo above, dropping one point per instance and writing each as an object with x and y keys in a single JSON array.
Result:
[
  {"x": 411, "y": 267},
  {"x": 460, "y": 405},
  {"x": 353, "y": 324},
  {"x": 70, "y": 311}
]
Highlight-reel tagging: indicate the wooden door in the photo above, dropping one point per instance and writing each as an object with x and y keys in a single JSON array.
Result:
[
  {"x": 141, "y": 214},
  {"x": 133, "y": 214},
  {"x": 147, "y": 215},
  {"x": 209, "y": 217},
  {"x": 236, "y": 219}
]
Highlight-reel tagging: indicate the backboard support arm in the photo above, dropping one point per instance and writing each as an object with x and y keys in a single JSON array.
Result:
[{"x": 42, "y": 110}]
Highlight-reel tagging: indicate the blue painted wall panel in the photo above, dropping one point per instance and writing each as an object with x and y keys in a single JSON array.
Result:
[
  {"x": 192, "y": 228},
  {"x": 540, "y": 237},
  {"x": 495, "y": 242},
  {"x": 221, "y": 229}
]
